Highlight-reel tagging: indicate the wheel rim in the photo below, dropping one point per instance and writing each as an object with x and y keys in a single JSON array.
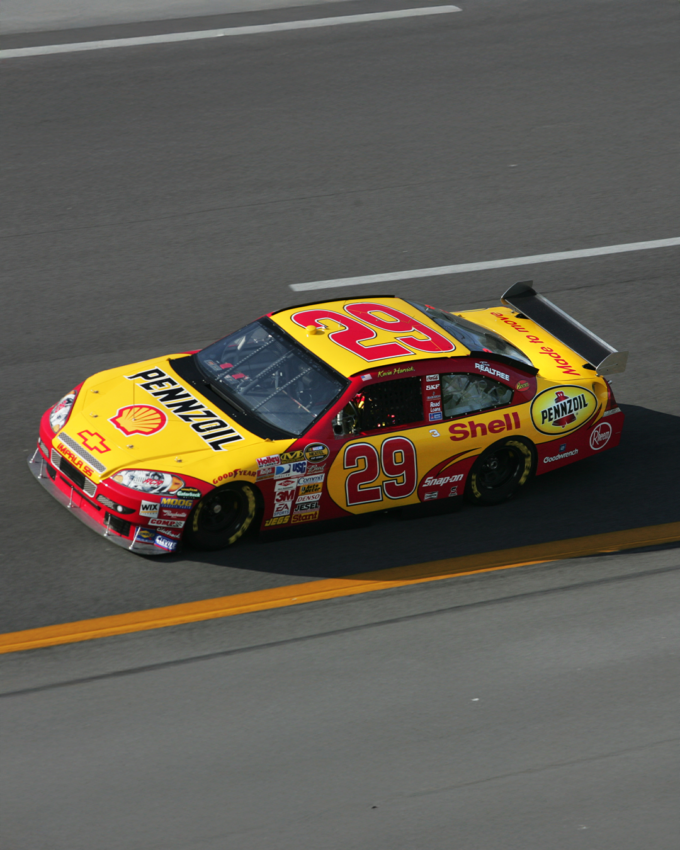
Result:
[
  {"x": 499, "y": 469},
  {"x": 221, "y": 512}
]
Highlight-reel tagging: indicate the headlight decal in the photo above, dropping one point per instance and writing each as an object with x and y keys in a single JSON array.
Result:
[{"x": 148, "y": 481}]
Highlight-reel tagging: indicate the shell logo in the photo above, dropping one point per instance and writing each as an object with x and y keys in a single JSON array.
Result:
[
  {"x": 139, "y": 419},
  {"x": 561, "y": 410}
]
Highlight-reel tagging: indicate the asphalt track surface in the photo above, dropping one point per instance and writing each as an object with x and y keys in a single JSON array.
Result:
[{"x": 153, "y": 199}]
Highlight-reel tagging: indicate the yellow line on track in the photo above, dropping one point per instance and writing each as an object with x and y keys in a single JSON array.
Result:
[{"x": 314, "y": 591}]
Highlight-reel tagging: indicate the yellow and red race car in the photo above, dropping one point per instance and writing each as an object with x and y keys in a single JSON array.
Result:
[{"x": 326, "y": 410}]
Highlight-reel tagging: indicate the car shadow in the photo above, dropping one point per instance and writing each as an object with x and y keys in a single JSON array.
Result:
[{"x": 634, "y": 485}]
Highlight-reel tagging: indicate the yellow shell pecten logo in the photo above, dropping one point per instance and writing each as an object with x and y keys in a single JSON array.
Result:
[
  {"x": 139, "y": 419},
  {"x": 560, "y": 410}
]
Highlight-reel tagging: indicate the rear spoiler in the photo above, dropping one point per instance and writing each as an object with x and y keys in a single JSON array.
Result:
[{"x": 523, "y": 298}]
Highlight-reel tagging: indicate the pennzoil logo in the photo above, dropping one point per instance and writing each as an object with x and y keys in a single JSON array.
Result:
[
  {"x": 562, "y": 409},
  {"x": 139, "y": 419},
  {"x": 175, "y": 398}
]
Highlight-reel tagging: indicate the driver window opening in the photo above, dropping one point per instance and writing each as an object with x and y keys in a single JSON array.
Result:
[{"x": 387, "y": 405}]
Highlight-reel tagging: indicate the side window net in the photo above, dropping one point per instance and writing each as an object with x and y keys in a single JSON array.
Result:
[
  {"x": 389, "y": 404},
  {"x": 470, "y": 393}
]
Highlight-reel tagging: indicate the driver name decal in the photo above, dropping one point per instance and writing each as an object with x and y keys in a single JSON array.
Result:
[{"x": 175, "y": 398}]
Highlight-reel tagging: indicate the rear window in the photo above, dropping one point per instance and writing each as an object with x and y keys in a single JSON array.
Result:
[{"x": 478, "y": 339}]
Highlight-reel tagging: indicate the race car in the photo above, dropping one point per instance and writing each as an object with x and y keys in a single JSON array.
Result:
[{"x": 327, "y": 410}]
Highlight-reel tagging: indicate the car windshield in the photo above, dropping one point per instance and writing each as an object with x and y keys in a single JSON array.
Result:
[
  {"x": 262, "y": 370},
  {"x": 474, "y": 337}
]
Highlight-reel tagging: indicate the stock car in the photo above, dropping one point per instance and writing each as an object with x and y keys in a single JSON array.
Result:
[{"x": 326, "y": 410}]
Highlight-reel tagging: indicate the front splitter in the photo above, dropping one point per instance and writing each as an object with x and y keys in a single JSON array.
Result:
[{"x": 38, "y": 467}]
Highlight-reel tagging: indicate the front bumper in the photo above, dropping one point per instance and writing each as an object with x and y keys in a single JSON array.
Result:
[{"x": 107, "y": 525}]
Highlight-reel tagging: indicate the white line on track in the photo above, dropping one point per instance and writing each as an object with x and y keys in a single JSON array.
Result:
[
  {"x": 437, "y": 271},
  {"x": 222, "y": 33}
]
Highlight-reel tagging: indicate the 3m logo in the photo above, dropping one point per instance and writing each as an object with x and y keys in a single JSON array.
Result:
[{"x": 94, "y": 441}]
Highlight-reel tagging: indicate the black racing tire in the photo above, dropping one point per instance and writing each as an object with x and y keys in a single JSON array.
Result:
[
  {"x": 501, "y": 471},
  {"x": 222, "y": 517}
]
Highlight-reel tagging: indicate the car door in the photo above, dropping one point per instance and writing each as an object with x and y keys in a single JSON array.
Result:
[{"x": 376, "y": 459}]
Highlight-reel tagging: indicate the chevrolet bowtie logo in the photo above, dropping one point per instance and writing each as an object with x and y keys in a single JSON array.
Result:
[{"x": 94, "y": 441}]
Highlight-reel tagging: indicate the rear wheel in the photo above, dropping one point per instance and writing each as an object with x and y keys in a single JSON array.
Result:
[
  {"x": 222, "y": 517},
  {"x": 500, "y": 472}
]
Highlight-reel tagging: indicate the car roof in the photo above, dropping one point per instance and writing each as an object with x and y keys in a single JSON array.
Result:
[{"x": 357, "y": 350}]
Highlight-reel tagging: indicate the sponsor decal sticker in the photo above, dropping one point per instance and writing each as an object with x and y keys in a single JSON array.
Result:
[
  {"x": 73, "y": 458},
  {"x": 310, "y": 488},
  {"x": 167, "y": 523},
  {"x": 165, "y": 543},
  {"x": 600, "y": 435},
  {"x": 563, "y": 365},
  {"x": 453, "y": 492},
  {"x": 427, "y": 497},
  {"x": 432, "y": 394},
  {"x": 277, "y": 520},
  {"x": 189, "y": 493},
  {"x": 560, "y": 456},
  {"x": 146, "y": 535},
  {"x": 291, "y": 470},
  {"x": 309, "y": 516},
  {"x": 171, "y": 502},
  {"x": 172, "y": 513},
  {"x": 463, "y": 430},
  {"x": 366, "y": 377},
  {"x": 522, "y": 385},
  {"x": 139, "y": 419},
  {"x": 148, "y": 508},
  {"x": 236, "y": 473},
  {"x": 94, "y": 441},
  {"x": 177, "y": 399},
  {"x": 289, "y": 457},
  {"x": 315, "y": 467},
  {"x": 485, "y": 367},
  {"x": 310, "y": 479},
  {"x": 432, "y": 481},
  {"x": 265, "y": 472},
  {"x": 307, "y": 505},
  {"x": 316, "y": 452},
  {"x": 282, "y": 509},
  {"x": 285, "y": 484},
  {"x": 270, "y": 460},
  {"x": 562, "y": 409}
]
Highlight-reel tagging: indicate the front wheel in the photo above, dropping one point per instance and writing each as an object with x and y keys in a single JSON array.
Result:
[
  {"x": 500, "y": 471},
  {"x": 222, "y": 517}
]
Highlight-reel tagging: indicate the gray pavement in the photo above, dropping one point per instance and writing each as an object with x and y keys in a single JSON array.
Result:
[{"x": 530, "y": 709}]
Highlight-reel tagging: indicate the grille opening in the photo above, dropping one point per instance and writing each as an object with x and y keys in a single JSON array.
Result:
[
  {"x": 51, "y": 471},
  {"x": 72, "y": 473},
  {"x": 120, "y": 526}
]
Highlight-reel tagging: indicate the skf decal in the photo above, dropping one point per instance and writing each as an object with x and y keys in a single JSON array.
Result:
[
  {"x": 174, "y": 397},
  {"x": 560, "y": 410},
  {"x": 432, "y": 394},
  {"x": 139, "y": 419},
  {"x": 94, "y": 441},
  {"x": 463, "y": 430}
]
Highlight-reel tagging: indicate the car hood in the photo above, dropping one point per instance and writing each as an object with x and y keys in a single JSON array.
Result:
[{"x": 144, "y": 416}]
